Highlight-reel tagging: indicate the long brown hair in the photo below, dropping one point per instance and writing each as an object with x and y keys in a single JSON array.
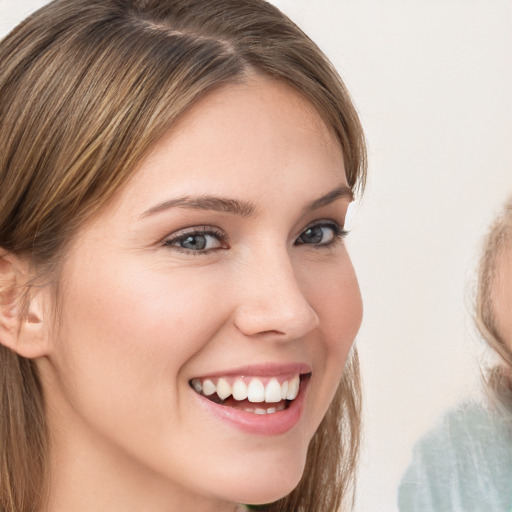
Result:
[
  {"x": 86, "y": 89},
  {"x": 496, "y": 246}
]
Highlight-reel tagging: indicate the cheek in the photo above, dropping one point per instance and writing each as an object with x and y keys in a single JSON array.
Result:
[
  {"x": 334, "y": 293},
  {"x": 130, "y": 330},
  {"x": 129, "y": 304}
]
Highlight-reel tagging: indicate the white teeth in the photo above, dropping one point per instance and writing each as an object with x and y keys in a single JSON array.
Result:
[
  {"x": 273, "y": 392},
  {"x": 284, "y": 390},
  {"x": 253, "y": 390},
  {"x": 269, "y": 410},
  {"x": 223, "y": 389},
  {"x": 256, "y": 391},
  {"x": 196, "y": 383},
  {"x": 293, "y": 388},
  {"x": 239, "y": 390},
  {"x": 209, "y": 387}
]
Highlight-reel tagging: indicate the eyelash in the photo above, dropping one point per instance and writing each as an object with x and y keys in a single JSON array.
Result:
[{"x": 338, "y": 234}]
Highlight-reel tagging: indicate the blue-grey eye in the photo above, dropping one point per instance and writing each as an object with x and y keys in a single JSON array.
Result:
[
  {"x": 196, "y": 241},
  {"x": 320, "y": 234}
]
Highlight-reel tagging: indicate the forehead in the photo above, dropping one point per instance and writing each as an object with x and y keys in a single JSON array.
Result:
[
  {"x": 261, "y": 133},
  {"x": 259, "y": 109}
]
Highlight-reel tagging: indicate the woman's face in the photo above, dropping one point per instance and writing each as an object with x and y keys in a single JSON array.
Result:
[{"x": 219, "y": 270}]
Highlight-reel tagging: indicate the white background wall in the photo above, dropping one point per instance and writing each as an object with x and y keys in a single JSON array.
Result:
[{"x": 433, "y": 83}]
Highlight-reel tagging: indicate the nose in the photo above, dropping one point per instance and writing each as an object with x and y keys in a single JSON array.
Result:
[{"x": 272, "y": 302}]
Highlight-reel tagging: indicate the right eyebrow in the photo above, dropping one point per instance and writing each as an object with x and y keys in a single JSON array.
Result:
[{"x": 213, "y": 203}]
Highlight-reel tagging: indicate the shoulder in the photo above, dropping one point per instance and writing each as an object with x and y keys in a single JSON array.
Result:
[
  {"x": 470, "y": 425},
  {"x": 463, "y": 463}
]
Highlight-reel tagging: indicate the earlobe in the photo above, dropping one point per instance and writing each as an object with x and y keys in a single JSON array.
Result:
[{"x": 22, "y": 326}]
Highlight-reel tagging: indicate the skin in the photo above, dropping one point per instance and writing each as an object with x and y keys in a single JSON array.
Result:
[
  {"x": 502, "y": 300},
  {"x": 140, "y": 318}
]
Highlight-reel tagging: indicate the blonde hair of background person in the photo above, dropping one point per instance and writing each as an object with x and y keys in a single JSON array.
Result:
[
  {"x": 493, "y": 305},
  {"x": 87, "y": 89}
]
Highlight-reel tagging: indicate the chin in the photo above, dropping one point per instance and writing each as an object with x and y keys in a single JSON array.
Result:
[{"x": 267, "y": 485}]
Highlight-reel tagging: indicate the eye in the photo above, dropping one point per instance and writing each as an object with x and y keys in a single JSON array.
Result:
[
  {"x": 197, "y": 240},
  {"x": 323, "y": 234}
]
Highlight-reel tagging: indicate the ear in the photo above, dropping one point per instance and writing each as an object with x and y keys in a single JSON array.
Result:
[{"x": 22, "y": 326}]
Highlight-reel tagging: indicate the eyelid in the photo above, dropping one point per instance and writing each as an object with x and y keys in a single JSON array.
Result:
[{"x": 326, "y": 222}]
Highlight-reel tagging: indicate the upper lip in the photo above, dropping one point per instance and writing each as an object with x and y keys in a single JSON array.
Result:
[{"x": 261, "y": 370}]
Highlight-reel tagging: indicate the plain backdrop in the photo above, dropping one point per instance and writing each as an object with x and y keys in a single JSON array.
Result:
[{"x": 432, "y": 81}]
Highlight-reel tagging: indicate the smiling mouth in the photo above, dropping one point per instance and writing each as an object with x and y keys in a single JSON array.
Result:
[{"x": 257, "y": 395}]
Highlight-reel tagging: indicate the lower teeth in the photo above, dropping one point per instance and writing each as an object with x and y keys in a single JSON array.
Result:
[
  {"x": 249, "y": 406},
  {"x": 269, "y": 410}
]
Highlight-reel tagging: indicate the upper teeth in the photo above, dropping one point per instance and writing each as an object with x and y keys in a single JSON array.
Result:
[{"x": 252, "y": 389}]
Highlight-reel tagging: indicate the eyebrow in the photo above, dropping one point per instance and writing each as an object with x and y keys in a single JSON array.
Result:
[
  {"x": 217, "y": 204},
  {"x": 338, "y": 193},
  {"x": 238, "y": 207}
]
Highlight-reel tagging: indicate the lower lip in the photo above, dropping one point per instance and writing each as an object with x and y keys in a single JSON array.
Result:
[{"x": 270, "y": 424}]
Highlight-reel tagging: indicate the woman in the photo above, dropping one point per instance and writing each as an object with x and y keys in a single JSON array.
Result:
[
  {"x": 178, "y": 305},
  {"x": 465, "y": 463}
]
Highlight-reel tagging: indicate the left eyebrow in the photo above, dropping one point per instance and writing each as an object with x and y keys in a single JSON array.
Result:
[{"x": 341, "y": 192}]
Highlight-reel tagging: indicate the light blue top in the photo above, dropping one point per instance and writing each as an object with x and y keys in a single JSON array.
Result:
[{"x": 464, "y": 464}]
